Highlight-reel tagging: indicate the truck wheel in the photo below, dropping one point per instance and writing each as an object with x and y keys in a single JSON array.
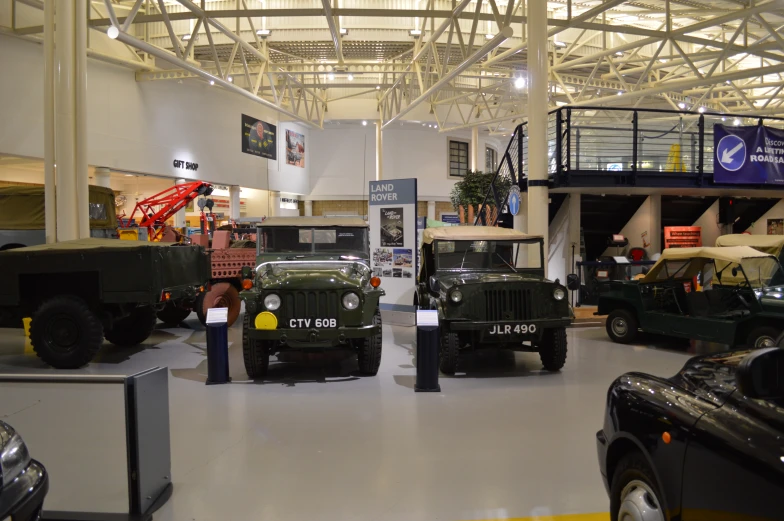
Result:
[
  {"x": 450, "y": 352},
  {"x": 552, "y": 348},
  {"x": 173, "y": 314},
  {"x": 222, "y": 295},
  {"x": 763, "y": 336},
  {"x": 65, "y": 333},
  {"x": 198, "y": 307},
  {"x": 622, "y": 326},
  {"x": 133, "y": 329},
  {"x": 369, "y": 354},
  {"x": 255, "y": 353}
]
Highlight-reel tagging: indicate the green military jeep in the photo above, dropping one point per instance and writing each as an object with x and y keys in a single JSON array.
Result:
[
  {"x": 470, "y": 275},
  {"x": 312, "y": 290},
  {"x": 729, "y": 295}
]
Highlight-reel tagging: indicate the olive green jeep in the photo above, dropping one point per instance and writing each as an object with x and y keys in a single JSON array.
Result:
[
  {"x": 470, "y": 275},
  {"x": 312, "y": 290}
]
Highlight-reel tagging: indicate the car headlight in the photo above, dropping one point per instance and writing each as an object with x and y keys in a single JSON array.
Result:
[
  {"x": 272, "y": 302},
  {"x": 559, "y": 294},
  {"x": 14, "y": 457},
  {"x": 351, "y": 301},
  {"x": 456, "y": 296}
]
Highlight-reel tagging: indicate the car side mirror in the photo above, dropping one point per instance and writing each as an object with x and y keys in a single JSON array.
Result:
[
  {"x": 761, "y": 374},
  {"x": 247, "y": 272},
  {"x": 433, "y": 284},
  {"x": 573, "y": 282},
  {"x": 735, "y": 271}
]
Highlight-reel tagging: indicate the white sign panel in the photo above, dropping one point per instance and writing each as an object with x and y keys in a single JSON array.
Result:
[{"x": 393, "y": 238}]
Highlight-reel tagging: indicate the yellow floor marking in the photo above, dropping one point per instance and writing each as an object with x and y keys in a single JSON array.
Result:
[
  {"x": 28, "y": 348},
  {"x": 601, "y": 516}
]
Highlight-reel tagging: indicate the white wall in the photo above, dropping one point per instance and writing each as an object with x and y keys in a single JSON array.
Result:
[
  {"x": 708, "y": 221},
  {"x": 560, "y": 251},
  {"x": 639, "y": 223},
  {"x": 761, "y": 226},
  {"x": 346, "y": 161}
]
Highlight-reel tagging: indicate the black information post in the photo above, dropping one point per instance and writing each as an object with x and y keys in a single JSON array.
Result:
[
  {"x": 427, "y": 352},
  {"x": 217, "y": 346}
]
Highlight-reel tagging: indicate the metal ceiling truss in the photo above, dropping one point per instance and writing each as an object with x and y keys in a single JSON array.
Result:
[{"x": 465, "y": 60}]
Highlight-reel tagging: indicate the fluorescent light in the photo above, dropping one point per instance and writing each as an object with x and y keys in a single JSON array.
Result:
[
  {"x": 231, "y": 80},
  {"x": 263, "y": 32},
  {"x": 701, "y": 110},
  {"x": 415, "y": 33},
  {"x": 350, "y": 77},
  {"x": 364, "y": 123},
  {"x": 343, "y": 31},
  {"x": 113, "y": 32},
  {"x": 619, "y": 53},
  {"x": 378, "y": 87},
  {"x": 330, "y": 76},
  {"x": 519, "y": 83},
  {"x": 663, "y": 60},
  {"x": 681, "y": 105},
  {"x": 620, "y": 92},
  {"x": 559, "y": 44},
  {"x": 736, "y": 122},
  {"x": 186, "y": 37},
  {"x": 489, "y": 36},
  {"x": 212, "y": 82}
]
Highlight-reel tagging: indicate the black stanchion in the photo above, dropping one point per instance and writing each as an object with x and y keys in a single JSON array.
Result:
[
  {"x": 217, "y": 346},
  {"x": 427, "y": 352}
]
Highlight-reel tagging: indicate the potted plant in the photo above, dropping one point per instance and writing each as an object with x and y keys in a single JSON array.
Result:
[{"x": 469, "y": 193}]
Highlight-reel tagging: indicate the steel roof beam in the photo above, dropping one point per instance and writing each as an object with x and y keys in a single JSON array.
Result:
[{"x": 333, "y": 28}]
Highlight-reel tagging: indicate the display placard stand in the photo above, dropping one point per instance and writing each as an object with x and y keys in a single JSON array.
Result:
[
  {"x": 427, "y": 352},
  {"x": 217, "y": 346}
]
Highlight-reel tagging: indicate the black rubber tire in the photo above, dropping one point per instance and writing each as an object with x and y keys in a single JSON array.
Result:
[
  {"x": 449, "y": 355},
  {"x": 133, "y": 329},
  {"x": 552, "y": 348},
  {"x": 172, "y": 314},
  {"x": 632, "y": 467},
  {"x": 255, "y": 353},
  {"x": 369, "y": 353},
  {"x": 763, "y": 332},
  {"x": 198, "y": 306},
  {"x": 780, "y": 340},
  {"x": 71, "y": 313},
  {"x": 630, "y": 321}
]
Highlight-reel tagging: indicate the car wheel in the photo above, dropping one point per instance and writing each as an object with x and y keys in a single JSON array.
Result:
[
  {"x": 369, "y": 354},
  {"x": 172, "y": 314},
  {"x": 65, "y": 333},
  {"x": 552, "y": 348},
  {"x": 634, "y": 495},
  {"x": 622, "y": 326},
  {"x": 780, "y": 341},
  {"x": 133, "y": 329},
  {"x": 449, "y": 355},
  {"x": 763, "y": 336},
  {"x": 255, "y": 353}
]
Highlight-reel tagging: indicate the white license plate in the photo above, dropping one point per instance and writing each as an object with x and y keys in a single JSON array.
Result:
[
  {"x": 305, "y": 323},
  {"x": 512, "y": 329}
]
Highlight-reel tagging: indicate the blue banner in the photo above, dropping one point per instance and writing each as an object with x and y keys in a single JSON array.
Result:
[{"x": 748, "y": 155}]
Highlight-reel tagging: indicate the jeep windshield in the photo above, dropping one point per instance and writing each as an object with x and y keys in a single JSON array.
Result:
[
  {"x": 296, "y": 242},
  {"x": 487, "y": 255}
]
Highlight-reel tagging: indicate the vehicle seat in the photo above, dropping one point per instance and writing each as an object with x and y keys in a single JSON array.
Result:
[{"x": 697, "y": 304}]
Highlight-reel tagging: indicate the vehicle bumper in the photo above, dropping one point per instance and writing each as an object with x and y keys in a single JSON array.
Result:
[
  {"x": 487, "y": 330},
  {"x": 313, "y": 337},
  {"x": 601, "y": 449},
  {"x": 23, "y": 499}
]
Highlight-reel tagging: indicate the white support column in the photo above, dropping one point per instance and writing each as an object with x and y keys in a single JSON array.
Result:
[
  {"x": 431, "y": 210},
  {"x": 379, "y": 153},
  {"x": 655, "y": 231},
  {"x": 103, "y": 177},
  {"x": 50, "y": 198},
  {"x": 80, "y": 118},
  {"x": 179, "y": 217},
  {"x": 474, "y": 148},
  {"x": 308, "y": 208},
  {"x": 65, "y": 123},
  {"x": 520, "y": 223},
  {"x": 234, "y": 202},
  {"x": 538, "y": 200}
]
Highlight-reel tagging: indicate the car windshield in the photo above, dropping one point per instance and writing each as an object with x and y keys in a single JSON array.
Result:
[
  {"x": 761, "y": 272},
  {"x": 294, "y": 240},
  {"x": 486, "y": 255}
]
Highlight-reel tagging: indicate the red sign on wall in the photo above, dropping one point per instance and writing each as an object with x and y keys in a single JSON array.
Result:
[{"x": 682, "y": 236}]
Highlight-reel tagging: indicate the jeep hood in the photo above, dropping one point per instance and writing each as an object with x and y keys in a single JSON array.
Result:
[
  {"x": 313, "y": 275},
  {"x": 449, "y": 280}
]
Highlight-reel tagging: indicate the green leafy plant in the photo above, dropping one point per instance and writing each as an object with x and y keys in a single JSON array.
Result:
[{"x": 471, "y": 190}]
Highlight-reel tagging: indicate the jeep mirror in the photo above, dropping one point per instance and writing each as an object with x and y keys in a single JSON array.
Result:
[
  {"x": 761, "y": 374},
  {"x": 573, "y": 282},
  {"x": 247, "y": 272},
  {"x": 433, "y": 284},
  {"x": 734, "y": 271}
]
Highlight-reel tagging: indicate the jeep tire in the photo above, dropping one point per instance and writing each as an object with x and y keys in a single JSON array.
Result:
[
  {"x": 763, "y": 336},
  {"x": 552, "y": 348},
  {"x": 133, "y": 329},
  {"x": 255, "y": 353},
  {"x": 172, "y": 314},
  {"x": 65, "y": 333},
  {"x": 369, "y": 353},
  {"x": 449, "y": 354},
  {"x": 622, "y": 326}
]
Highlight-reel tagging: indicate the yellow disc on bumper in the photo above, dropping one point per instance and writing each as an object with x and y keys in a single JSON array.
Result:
[{"x": 266, "y": 320}]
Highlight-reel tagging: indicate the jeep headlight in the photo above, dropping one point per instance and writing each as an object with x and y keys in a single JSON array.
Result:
[
  {"x": 14, "y": 457},
  {"x": 272, "y": 302},
  {"x": 351, "y": 301},
  {"x": 456, "y": 296},
  {"x": 559, "y": 294}
]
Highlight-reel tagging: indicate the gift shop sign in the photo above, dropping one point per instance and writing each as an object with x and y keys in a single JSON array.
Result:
[{"x": 185, "y": 165}]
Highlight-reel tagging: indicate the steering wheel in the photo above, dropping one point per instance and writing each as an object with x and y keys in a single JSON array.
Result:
[{"x": 736, "y": 291}]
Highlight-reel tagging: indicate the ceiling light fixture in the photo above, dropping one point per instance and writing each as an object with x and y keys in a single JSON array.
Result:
[
  {"x": 212, "y": 82},
  {"x": 559, "y": 44},
  {"x": 619, "y": 53},
  {"x": 364, "y": 123},
  {"x": 231, "y": 80},
  {"x": 350, "y": 77},
  {"x": 330, "y": 76},
  {"x": 263, "y": 32},
  {"x": 489, "y": 36},
  {"x": 701, "y": 110},
  {"x": 186, "y": 37},
  {"x": 343, "y": 31},
  {"x": 620, "y": 92},
  {"x": 519, "y": 83},
  {"x": 737, "y": 122},
  {"x": 416, "y": 33},
  {"x": 378, "y": 87},
  {"x": 113, "y": 32},
  {"x": 681, "y": 105}
]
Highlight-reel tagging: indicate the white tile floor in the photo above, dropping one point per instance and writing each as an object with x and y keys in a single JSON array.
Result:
[{"x": 314, "y": 441}]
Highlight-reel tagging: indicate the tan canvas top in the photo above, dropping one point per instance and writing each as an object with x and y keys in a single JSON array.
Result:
[
  {"x": 771, "y": 244},
  {"x": 474, "y": 233},
  {"x": 89, "y": 244},
  {"x": 22, "y": 208},
  {"x": 315, "y": 222},
  {"x": 728, "y": 254}
]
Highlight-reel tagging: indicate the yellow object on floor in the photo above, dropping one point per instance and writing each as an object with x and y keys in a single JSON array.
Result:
[
  {"x": 599, "y": 516},
  {"x": 28, "y": 345}
]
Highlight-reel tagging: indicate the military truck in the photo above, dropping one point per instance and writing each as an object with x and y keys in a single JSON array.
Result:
[
  {"x": 728, "y": 295},
  {"x": 80, "y": 292},
  {"x": 22, "y": 215},
  {"x": 470, "y": 275},
  {"x": 312, "y": 290}
]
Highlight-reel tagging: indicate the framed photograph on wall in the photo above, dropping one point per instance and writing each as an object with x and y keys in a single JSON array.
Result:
[{"x": 295, "y": 149}]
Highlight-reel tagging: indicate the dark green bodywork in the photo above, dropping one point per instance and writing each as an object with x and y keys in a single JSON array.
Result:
[
  {"x": 492, "y": 301},
  {"x": 312, "y": 286}
]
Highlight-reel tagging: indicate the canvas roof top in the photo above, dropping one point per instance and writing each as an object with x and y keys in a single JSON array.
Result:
[
  {"x": 89, "y": 244},
  {"x": 730, "y": 254},
  {"x": 772, "y": 244},
  {"x": 474, "y": 233},
  {"x": 315, "y": 222}
]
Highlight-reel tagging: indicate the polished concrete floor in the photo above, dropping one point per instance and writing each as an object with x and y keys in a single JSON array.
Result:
[{"x": 503, "y": 439}]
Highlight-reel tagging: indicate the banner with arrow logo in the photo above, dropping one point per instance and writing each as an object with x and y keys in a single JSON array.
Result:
[{"x": 748, "y": 155}]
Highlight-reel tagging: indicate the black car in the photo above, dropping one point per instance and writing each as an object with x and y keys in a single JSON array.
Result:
[
  {"x": 25, "y": 482},
  {"x": 707, "y": 444}
]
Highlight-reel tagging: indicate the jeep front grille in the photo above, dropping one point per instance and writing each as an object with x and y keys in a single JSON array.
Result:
[
  {"x": 309, "y": 304},
  {"x": 508, "y": 304}
]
